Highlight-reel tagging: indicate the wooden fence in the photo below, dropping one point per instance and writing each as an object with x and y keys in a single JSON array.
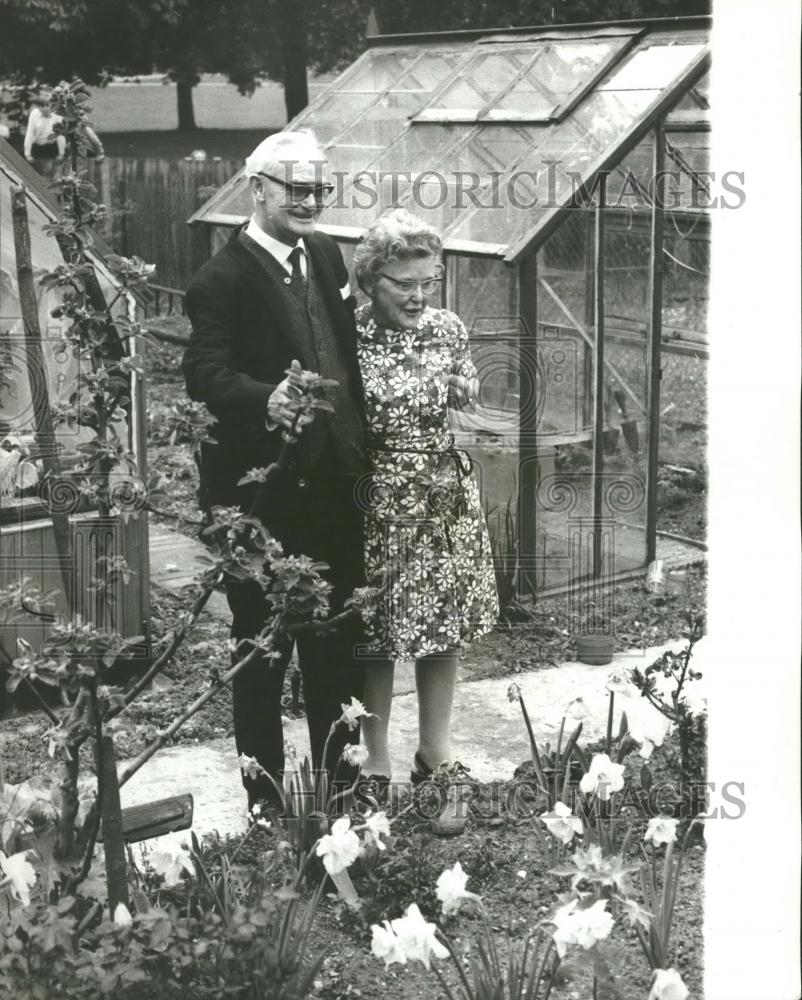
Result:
[{"x": 161, "y": 195}]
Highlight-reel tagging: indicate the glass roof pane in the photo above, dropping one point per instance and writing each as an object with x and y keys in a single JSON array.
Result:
[
  {"x": 482, "y": 80},
  {"x": 563, "y": 69},
  {"x": 329, "y": 116},
  {"x": 494, "y": 148},
  {"x": 382, "y": 122},
  {"x": 431, "y": 70},
  {"x": 380, "y": 70},
  {"x": 651, "y": 68},
  {"x": 418, "y": 146}
]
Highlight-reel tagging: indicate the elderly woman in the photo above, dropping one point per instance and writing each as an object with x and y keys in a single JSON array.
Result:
[{"x": 426, "y": 539}]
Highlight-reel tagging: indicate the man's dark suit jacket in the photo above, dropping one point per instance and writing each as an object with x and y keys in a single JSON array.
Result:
[{"x": 241, "y": 346}]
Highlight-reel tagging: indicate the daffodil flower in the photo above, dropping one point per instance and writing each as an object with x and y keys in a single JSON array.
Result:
[
  {"x": 386, "y": 944},
  {"x": 581, "y": 927},
  {"x": 352, "y": 713},
  {"x": 562, "y": 823},
  {"x": 619, "y": 681},
  {"x": 603, "y": 778},
  {"x": 250, "y": 766},
  {"x": 20, "y": 875},
  {"x": 122, "y": 915},
  {"x": 668, "y": 985},
  {"x": 340, "y": 848},
  {"x": 171, "y": 864},
  {"x": 451, "y": 889},
  {"x": 355, "y": 754},
  {"x": 376, "y": 826},
  {"x": 418, "y": 938},
  {"x": 661, "y": 830}
]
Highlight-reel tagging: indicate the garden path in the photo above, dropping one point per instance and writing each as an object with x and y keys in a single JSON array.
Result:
[{"x": 489, "y": 736}]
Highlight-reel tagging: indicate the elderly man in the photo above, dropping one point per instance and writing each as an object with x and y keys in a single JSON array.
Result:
[{"x": 278, "y": 291}]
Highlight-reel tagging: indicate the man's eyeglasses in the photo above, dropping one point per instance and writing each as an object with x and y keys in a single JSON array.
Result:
[
  {"x": 428, "y": 286},
  {"x": 300, "y": 192}
]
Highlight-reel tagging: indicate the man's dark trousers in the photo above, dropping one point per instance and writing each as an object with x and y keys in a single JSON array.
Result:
[{"x": 321, "y": 521}]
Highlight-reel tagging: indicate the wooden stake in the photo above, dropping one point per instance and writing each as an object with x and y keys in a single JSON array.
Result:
[{"x": 112, "y": 826}]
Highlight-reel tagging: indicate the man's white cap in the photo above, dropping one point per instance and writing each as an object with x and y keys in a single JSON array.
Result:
[{"x": 276, "y": 154}]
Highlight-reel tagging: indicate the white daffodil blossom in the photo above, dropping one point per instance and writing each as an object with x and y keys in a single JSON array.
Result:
[
  {"x": 386, "y": 944},
  {"x": 20, "y": 875},
  {"x": 668, "y": 985},
  {"x": 577, "y": 709},
  {"x": 648, "y": 727},
  {"x": 122, "y": 915},
  {"x": 418, "y": 937},
  {"x": 355, "y": 754},
  {"x": 352, "y": 713},
  {"x": 376, "y": 826},
  {"x": 513, "y": 692},
  {"x": 250, "y": 765},
  {"x": 619, "y": 681},
  {"x": 661, "y": 830},
  {"x": 451, "y": 889},
  {"x": 581, "y": 927},
  {"x": 603, "y": 778},
  {"x": 171, "y": 864},
  {"x": 562, "y": 823},
  {"x": 340, "y": 848},
  {"x": 635, "y": 913}
]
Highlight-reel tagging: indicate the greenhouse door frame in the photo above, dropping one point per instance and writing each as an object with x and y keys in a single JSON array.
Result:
[{"x": 528, "y": 429}]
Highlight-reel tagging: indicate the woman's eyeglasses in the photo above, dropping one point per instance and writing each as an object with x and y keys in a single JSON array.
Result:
[
  {"x": 300, "y": 192},
  {"x": 428, "y": 286}
]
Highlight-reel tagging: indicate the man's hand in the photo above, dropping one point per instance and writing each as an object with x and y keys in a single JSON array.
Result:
[
  {"x": 462, "y": 391},
  {"x": 283, "y": 403}
]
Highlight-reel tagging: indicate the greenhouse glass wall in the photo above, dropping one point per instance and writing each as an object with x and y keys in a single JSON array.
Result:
[
  {"x": 566, "y": 170},
  {"x": 47, "y": 372}
]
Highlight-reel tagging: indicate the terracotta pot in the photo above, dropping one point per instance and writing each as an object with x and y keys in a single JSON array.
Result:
[{"x": 595, "y": 649}]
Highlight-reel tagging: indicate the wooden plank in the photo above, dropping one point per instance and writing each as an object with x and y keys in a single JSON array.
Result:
[{"x": 152, "y": 819}]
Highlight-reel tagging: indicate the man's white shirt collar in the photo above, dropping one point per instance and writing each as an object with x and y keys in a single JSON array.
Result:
[{"x": 275, "y": 247}]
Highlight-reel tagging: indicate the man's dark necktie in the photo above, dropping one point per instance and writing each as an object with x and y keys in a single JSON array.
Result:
[{"x": 297, "y": 278}]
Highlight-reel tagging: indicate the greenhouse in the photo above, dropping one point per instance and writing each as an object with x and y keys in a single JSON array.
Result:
[
  {"x": 54, "y": 537},
  {"x": 568, "y": 172}
]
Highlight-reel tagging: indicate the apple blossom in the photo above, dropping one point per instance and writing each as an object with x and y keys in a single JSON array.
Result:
[
  {"x": 20, "y": 873},
  {"x": 340, "y": 848},
  {"x": 668, "y": 985},
  {"x": 603, "y": 778},
  {"x": 661, "y": 830},
  {"x": 451, "y": 889},
  {"x": 581, "y": 927},
  {"x": 562, "y": 823}
]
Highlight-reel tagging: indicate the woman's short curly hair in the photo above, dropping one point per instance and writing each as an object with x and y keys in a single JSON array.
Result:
[{"x": 396, "y": 235}]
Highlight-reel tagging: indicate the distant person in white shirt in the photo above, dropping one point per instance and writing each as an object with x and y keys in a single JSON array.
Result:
[{"x": 43, "y": 147}]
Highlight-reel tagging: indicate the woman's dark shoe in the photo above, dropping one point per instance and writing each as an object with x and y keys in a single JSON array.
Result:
[
  {"x": 420, "y": 771},
  {"x": 373, "y": 789},
  {"x": 455, "y": 779}
]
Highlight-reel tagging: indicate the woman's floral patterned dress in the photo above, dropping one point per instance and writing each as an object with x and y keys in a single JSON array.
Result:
[{"x": 426, "y": 539}]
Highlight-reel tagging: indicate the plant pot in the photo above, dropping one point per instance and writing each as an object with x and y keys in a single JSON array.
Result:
[{"x": 594, "y": 649}]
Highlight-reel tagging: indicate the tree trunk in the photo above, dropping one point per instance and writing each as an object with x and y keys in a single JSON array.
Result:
[
  {"x": 186, "y": 112},
  {"x": 292, "y": 32}
]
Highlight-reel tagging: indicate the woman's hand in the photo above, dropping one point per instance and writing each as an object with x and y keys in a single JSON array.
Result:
[{"x": 462, "y": 391}]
